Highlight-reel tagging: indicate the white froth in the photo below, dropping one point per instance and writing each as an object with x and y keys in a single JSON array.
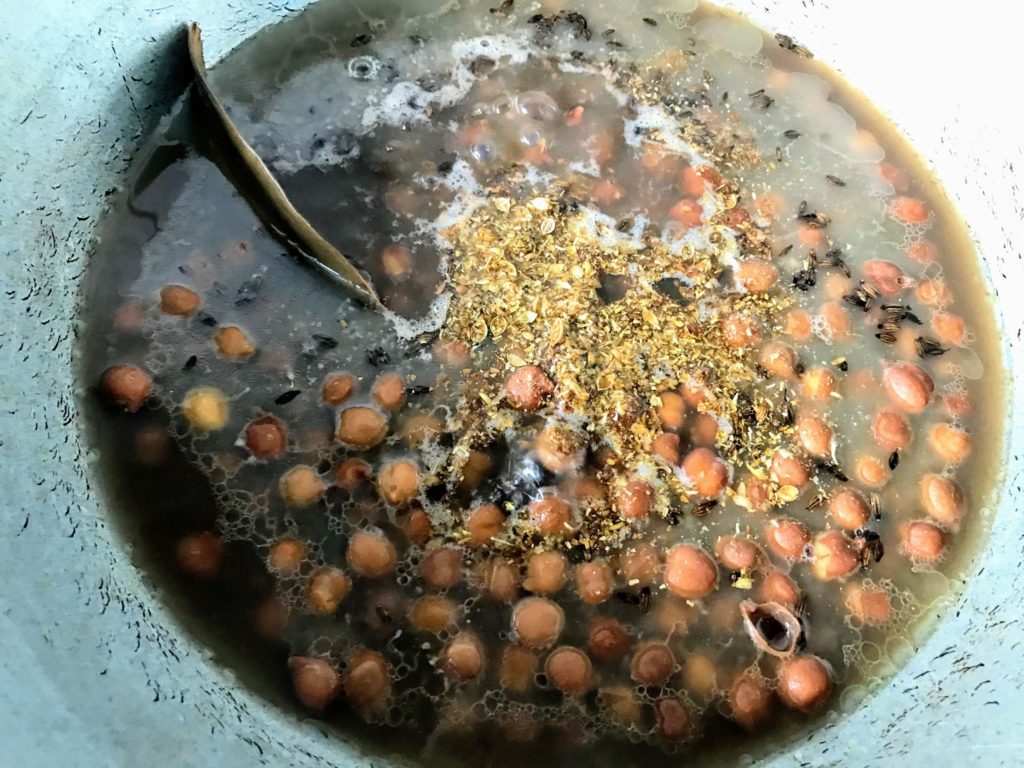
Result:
[
  {"x": 409, "y": 328},
  {"x": 407, "y": 102},
  {"x": 737, "y": 38}
]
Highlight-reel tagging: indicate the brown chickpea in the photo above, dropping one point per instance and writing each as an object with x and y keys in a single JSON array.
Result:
[
  {"x": 178, "y": 300},
  {"x": 370, "y": 554},
  {"x": 518, "y": 669},
  {"x": 499, "y": 578},
  {"x": 869, "y": 604},
  {"x": 749, "y": 701},
  {"x": 943, "y": 499},
  {"x": 266, "y": 437},
  {"x": 621, "y": 704},
  {"x": 417, "y": 526},
  {"x": 569, "y": 671},
  {"x": 922, "y": 542},
  {"x": 594, "y": 582},
  {"x": 389, "y": 392},
  {"x": 836, "y": 285},
  {"x": 949, "y": 328},
  {"x": 442, "y": 568},
  {"x": 327, "y": 588},
  {"x": 706, "y": 471},
  {"x": 888, "y": 278},
  {"x": 232, "y": 342},
  {"x": 862, "y": 383},
  {"x": 652, "y": 664},
  {"x": 352, "y": 473},
  {"x": 694, "y": 393},
  {"x": 361, "y": 427},
  {"x": 129, "y": 317},
  {"x": 366, "y": 681},
  {"x": 396, "y": 261},
  {"x": 484, "y": 523},
  {"x": 756, "y": 493},
  {"x": 798, "y": 325},
  {"x": 700, "y": 676},
  {"x": 537, "y": 622},
  {"x": 286, "y": 556},
  {"x": 301, "y": 486},
  {"x": 639, "y": 564},
  {"x": 602, "y": 146},
  {"x": 585, "y": 486},
  {"x": 787, "y": 469},
  {"x": 635, "y": 501},
  {"x": 527, "y": 388},
  {"x": 673, "y": 614},
  {"x": 398, "y": 482},
  {"x": 337, "y": 388},
  {"x": 786, "y": 537},
  {"x": 849, "y": 509},
  {"x": 741, "y": 331},
  {"x": 704, "y": 430},
  {"x": 420, "y": 428},
  {"x": 923, "y": 252},
  {"x": 672, "y": 410},
  {"x": 755, "y": 275},
  {"x": 206, "y": 409},
  {"x": 673, "y": 719},
  {"x": 871, "y": 471},
  {"x": 908, "y": 386},
  {"x": 666, "y": 448},
  {"x": 432, "y": 613},
  {"x": 315, "y": 681},
  {"x": 152, "y": 445},
  {"x": 891, "y": 430},
  {"x": 452, "y": 353},
  {"x": 814, "y": 434},
  {"x": 804, "y": 683},
  {"x": 723, "y": 612},
  {"x": 905, "y": 345},
  {"x": 126, "y": 386},
  {"x": 200, "y": 554},
  {"x": 778, "y": 359},
  {"x": 955, "y": 405},
  {"x": 271, "y": 619},
  {"x": 818, "y": 383},
  {"x": 934, "y": 293},
  {"x": 546, "y": 572},
  {"x": 551, "y": 515},
  {"x": 463, "y": 658},
  {"x": 835, "y": 320},
  {"x": 559, "y": 449},
  {"x": 949, "y": 443},
  {"x": 403, "y": 200},
  {"x": 737, "y": 553},
  {"x": 607, "y": 639},
  {"x": 777, "y": 587},
  {"x": 689, "y": 572},
  {"x": 833, "y": 556},
  {"x": 477, "y": 467}
]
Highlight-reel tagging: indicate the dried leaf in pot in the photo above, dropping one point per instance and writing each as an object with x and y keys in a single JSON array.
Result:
[
  {"x": 773, "y": 628},
  {"x": 257, "y": 184}
]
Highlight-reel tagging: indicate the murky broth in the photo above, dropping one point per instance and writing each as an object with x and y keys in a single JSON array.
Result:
[{"x": 681, "y": 426}]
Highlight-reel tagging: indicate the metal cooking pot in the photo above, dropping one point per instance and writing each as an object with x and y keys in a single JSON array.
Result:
[{"x": 94, "y": 668}]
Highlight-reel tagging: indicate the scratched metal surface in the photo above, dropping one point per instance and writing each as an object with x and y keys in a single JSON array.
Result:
[{"x": 94, "y": 671}]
